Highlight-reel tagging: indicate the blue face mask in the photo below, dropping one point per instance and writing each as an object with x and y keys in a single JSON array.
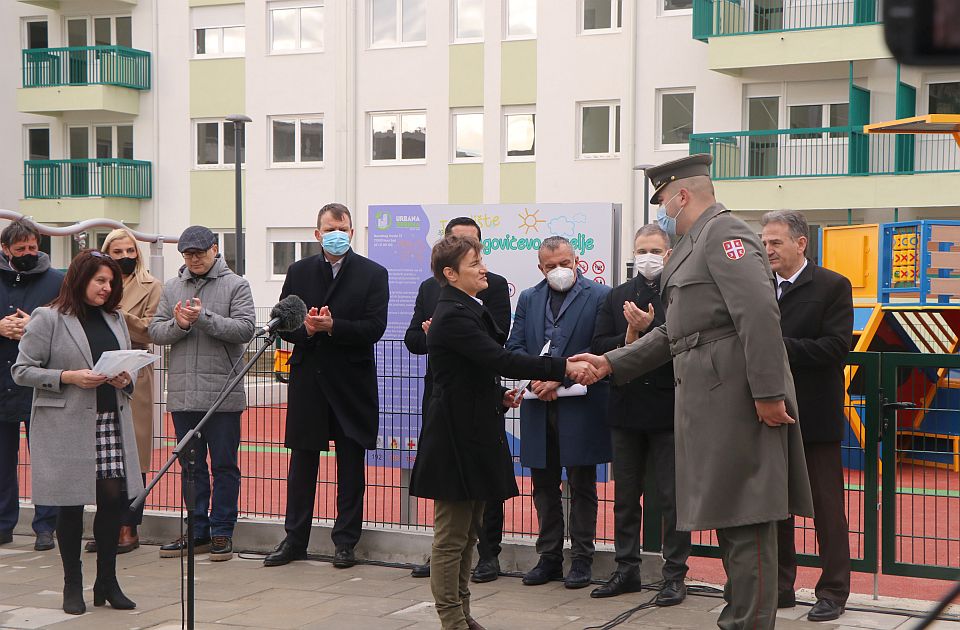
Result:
[
  {"x": 336, "y": 243},
  {"x": 667, "y": 223}
]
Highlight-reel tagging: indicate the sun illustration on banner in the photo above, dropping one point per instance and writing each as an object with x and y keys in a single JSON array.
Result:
[{"x": 529, "y": 220}]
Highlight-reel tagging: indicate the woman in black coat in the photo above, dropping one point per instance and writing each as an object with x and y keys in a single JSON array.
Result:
[{"x": 463, "y": 459}]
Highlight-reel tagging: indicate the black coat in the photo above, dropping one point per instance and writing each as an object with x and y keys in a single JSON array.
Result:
[
  {"x": 463, "y": 453},
  {"x": 336, "y": 371},
  {"x": 645, "y": 403},
  {"x": 816, "y": 316},
  {"x": 496, "y": 297}
]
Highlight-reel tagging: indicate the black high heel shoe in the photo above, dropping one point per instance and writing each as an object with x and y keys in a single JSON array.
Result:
[{"x": 108, "y": 590}]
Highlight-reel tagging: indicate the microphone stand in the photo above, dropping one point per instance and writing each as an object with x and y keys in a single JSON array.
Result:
[{"x": 186, "y": 453}]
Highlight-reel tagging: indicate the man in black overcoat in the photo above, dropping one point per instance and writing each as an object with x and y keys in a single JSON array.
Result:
[
  {"x": 816, "y": 315},
  {"x": 332, "y": 393},
  {"x": 496, "y": 297}
]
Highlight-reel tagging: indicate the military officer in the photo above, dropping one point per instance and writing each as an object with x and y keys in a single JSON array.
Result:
[{"x": 739, "y": 456}]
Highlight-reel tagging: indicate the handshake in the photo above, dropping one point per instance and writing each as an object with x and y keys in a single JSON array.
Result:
[{"x": 587, "y": 369}]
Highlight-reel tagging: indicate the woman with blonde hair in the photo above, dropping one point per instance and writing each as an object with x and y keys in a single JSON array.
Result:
[{"x": 141, "y": 295}]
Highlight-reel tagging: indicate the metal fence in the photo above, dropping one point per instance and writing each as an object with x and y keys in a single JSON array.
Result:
[
  {"x": 86, "y": 65},
  {"x": 715, "y": 18},
  {"x": 93, "y": 177}
]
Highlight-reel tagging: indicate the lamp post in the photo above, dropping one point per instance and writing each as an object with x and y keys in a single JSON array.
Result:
[
  {"x": 238, "y": 121},
  {"x": 646, "y": 190}
]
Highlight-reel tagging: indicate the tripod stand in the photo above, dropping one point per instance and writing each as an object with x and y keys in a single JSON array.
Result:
[{"x": 186, "y": 453}]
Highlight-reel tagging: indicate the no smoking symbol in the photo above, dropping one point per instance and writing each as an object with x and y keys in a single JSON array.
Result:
[
  {"x": 599, "y": 267},
  {"x": 583, "y": 266}
]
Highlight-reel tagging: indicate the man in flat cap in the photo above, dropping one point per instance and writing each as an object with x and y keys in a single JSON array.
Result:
[{"x": 739, "y": 456}]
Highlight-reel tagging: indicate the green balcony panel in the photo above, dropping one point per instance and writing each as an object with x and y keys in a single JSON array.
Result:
[
  {"x": 111, "y": 178},
  {"x": 715, "y": 18},
  {"x": 86, "y": 65}
]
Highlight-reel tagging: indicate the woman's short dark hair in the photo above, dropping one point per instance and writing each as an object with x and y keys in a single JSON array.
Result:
[
  {"x": 83, "y": 268},
  {"x": 448, "y": 252}
]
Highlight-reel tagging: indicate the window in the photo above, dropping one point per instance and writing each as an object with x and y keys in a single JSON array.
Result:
[
  {"x": 468, "y": 136},
  {"x": 296, "y": 140},
  {"x": 676, "y": 118},
  {"x": 223, "y": 41},
  {"x": 107, "y": 141},
  {"x": 36, "y": 34},
  {"x": 296, "y": 28},
  {"x": 944, "y": 98},
  {"x": 677, "y": 5},
  {"x": 817, "y": 116},
  {"x": 227, "y": 245},
  {"x": 389, "y": 146},
  {"x": 285, "y": 253},
  {"x": 468, "y": 20},
  {"x": 397, "y": 22},
  {"x": 215, "y": 143},
  {"x": 38, "y": 143},
  {"x": 602, "y": 15},
  {"x": 519, "y": 126},
  {"x": 113, "y": 31},
  {"x": 521, "y": 18},
  {"x": 599, "y": 130}
]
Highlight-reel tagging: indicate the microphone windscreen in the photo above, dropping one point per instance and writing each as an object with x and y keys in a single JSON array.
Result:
[{"x": 291, "y": 311}]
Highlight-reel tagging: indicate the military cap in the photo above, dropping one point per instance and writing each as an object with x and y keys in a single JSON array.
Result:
[{"x": 690, "y": 166}]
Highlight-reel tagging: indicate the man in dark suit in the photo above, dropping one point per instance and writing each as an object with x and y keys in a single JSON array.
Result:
[
  {"x": 332, "y": 394},
  {"x": 496, "y": 297},
  {"x": 816, "y": 315},
  {"x": 640, "y": 415},
  {"x": 558, "y": 425}
]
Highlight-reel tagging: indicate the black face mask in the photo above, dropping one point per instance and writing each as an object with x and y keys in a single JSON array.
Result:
[
  {"x": 127, "y": 265},
  {"x": 25, "y": 262}
]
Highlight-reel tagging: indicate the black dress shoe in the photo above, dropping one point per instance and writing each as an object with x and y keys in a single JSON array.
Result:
[
  {"x": 825, "y": 610},
  {"x": 545, "y": 571},
  {"x": 672, "y": 593},
  {"x": 579, "y": 575},
  {"x": 786, "y": 600},
  {"x": 6, "y": 537},
  {"x": 44, "y": 542},
  {"x": 344, "y": 558},
  {"x": 486, "y": 571},
  {"x": 285, "y": 553},
  {"x": 421, "y": 570},
  {"x": 620, "y": 582}
]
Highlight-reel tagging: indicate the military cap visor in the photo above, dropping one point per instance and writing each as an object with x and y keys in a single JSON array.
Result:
[{"x": 690, "y": 166}]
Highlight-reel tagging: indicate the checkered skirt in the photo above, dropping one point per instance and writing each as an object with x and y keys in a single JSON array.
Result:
[{"x": 109, "y": 446}]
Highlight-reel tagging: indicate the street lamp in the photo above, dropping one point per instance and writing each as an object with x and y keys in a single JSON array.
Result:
[
  {"x": 646, "y": 190},
  {"x": 238, "y": 121}
]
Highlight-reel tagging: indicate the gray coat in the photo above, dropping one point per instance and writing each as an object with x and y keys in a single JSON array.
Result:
[
  {"x": 63, "y": 426},
  {"x": 202, "y": 359},
  {"x": 723, "y": 331}
]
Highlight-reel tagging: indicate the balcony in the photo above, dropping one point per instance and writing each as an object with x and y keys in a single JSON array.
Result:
[
  {"x": 831, "y": 167},
  {"x": 74, "y": 190},
  {"x": 751, "y": 34},
  {"x": 56, "y": 5},
  {"x": 83, "y": 78}
]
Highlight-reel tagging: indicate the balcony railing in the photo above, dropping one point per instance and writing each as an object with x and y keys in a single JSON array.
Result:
[
  {"x": 86, "y": 65},
  {"x": 824, "y": 152},
  {"x": 714, "y": 18},
  {"x": 56, "y": 179}
]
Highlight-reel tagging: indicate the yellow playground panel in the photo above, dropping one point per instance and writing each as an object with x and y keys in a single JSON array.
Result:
[{"x": 853, "y": 251}]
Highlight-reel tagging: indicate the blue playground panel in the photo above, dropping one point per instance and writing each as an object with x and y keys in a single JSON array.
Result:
[
  {"x": 888, "y": 287},
  {"x": 850, "y": 451}
]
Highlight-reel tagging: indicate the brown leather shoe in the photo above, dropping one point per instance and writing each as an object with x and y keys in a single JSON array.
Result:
[{"x": 128, "y": 540}]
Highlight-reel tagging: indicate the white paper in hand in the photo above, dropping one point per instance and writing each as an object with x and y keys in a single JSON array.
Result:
[
  {"x": 114, "y": 362},
  {"x": 525, "y": 383}
]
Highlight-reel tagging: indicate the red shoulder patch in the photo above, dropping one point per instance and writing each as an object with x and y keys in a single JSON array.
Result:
[{"x": 734, "y": 249}]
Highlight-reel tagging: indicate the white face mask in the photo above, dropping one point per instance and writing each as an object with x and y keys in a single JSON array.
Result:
[
  {"x": 561, "y": 279},
  {"x": 648, "y": 265}
]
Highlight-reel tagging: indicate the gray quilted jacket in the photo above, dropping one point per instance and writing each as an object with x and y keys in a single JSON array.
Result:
[{"x": 202, "y": 359}]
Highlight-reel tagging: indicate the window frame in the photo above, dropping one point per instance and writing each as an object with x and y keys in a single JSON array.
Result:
[
  {"x": 659, "y": 145},
  {"x": 398, "y": 43},
  {"x": 298, "y": 255},
  {"x": 25, "y": 23},
  {"x": 663, "y": 11},
  {"x": 26, "y": 139},
  {"x": 825, "y": 111},
  {"x": 218, "y": 55},
  {"x": 466, "y": 111},
  {"x": 516, "y": 110},
  {"x": 454, "y": 20},
  {"x": 398, "y": 138},
  {"x": 930, "y": 82},
  {"x": 615, "y": 15},
  {"x": 298, "y": 161},
  {"x": 505, "y": 12},
  {"x": 91, "y": 129},
  {"x": 221, "y": 144},
  {"x": 612, "y": 154},
  {"x": 279, "y": 5}
]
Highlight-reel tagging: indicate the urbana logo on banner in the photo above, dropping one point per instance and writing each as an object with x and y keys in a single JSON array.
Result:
[
  {"x": 581, "y": 243},
  {"x": 403, "y": 221}
]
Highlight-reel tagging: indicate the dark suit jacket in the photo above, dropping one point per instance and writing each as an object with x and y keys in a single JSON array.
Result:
[
  {"x": 645, "y": 403},
  {"x": 336, "y": 371},
  {"x": 463, "y": 453},
  {"x": 496, "y": 297},
  {"x": 816, "y": 315}
]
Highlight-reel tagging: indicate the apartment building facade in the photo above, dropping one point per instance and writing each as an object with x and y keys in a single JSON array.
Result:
[{"x": 116, "y": 109}]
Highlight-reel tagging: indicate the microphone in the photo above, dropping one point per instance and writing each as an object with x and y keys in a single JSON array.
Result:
[{"x": 286, "y": 315}]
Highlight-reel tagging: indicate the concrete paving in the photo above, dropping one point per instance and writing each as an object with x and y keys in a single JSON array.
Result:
[{"x": 242, "y": 594}]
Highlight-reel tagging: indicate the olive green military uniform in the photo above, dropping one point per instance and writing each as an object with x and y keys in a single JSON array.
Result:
[{"x": 734, "y": 473}]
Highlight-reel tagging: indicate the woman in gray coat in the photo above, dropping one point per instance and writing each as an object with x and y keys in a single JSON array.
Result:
[{"x": 84, "y": 448}]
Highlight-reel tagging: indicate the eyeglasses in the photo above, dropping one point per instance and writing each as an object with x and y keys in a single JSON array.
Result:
[{"x": 194, "y": 254}]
